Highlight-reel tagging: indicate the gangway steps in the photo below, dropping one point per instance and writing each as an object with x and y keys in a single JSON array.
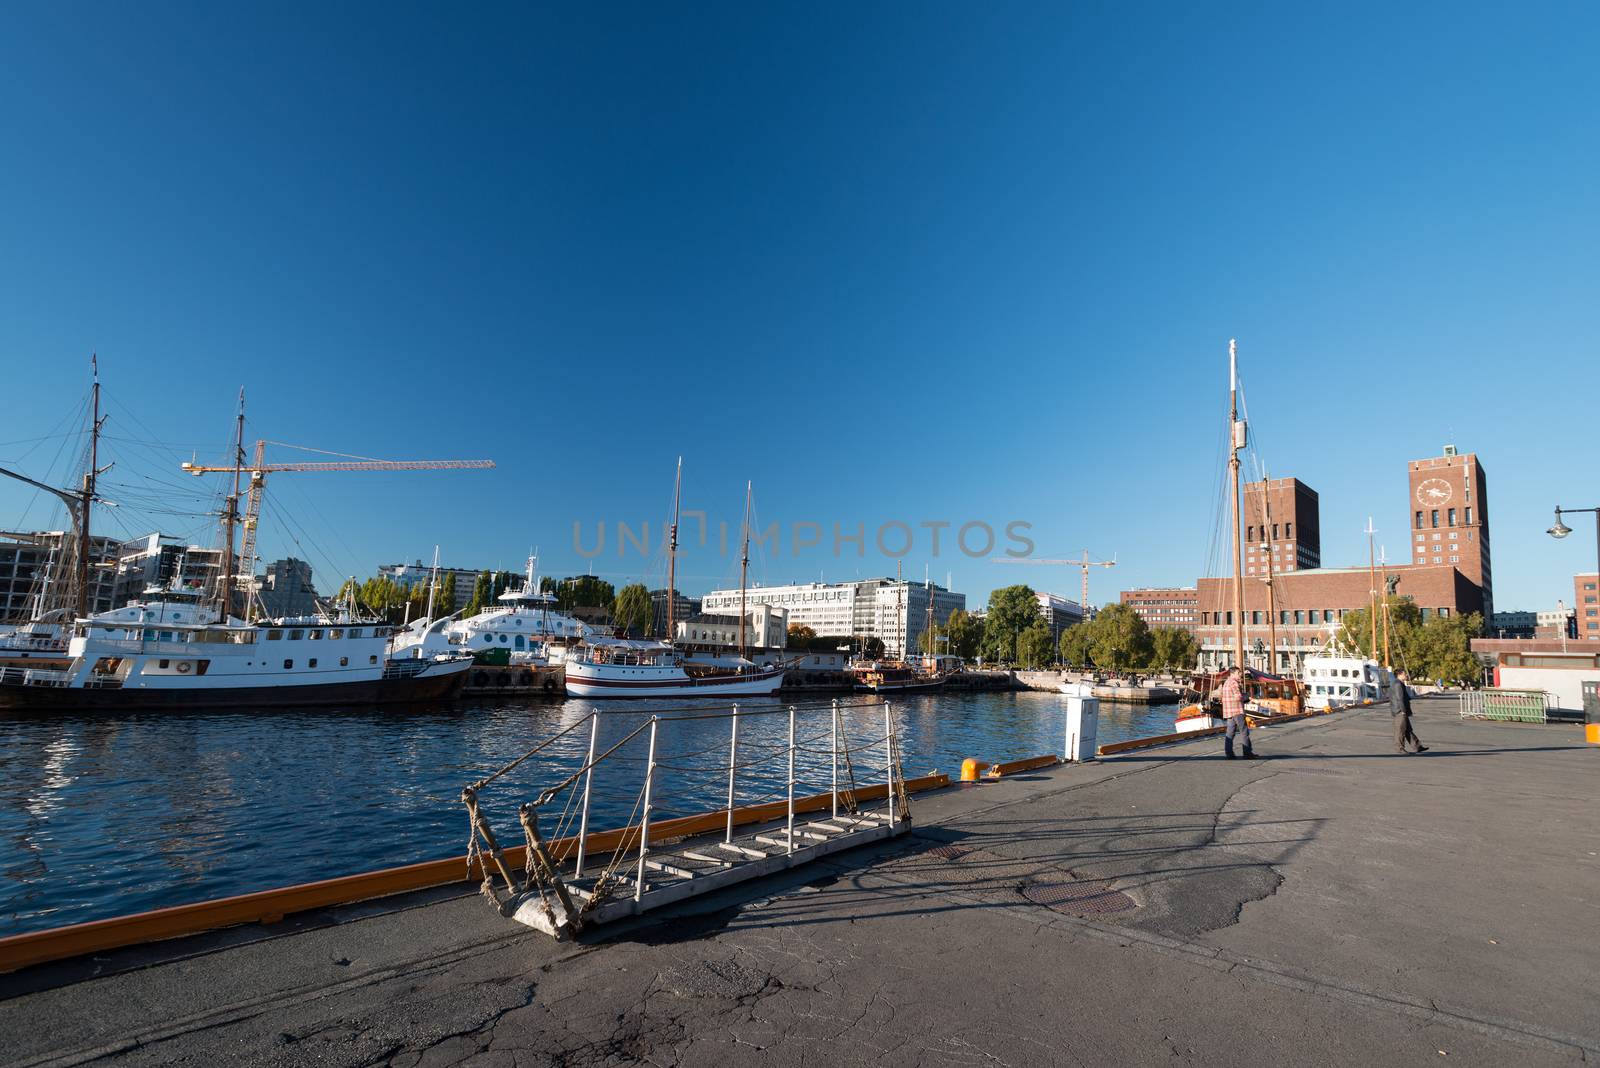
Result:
[{"x": 696, "y": 866}]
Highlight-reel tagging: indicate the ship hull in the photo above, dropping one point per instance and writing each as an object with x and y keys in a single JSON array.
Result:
[
  {"x": 583, "y": 681},
  {"x": 428, "y": 687}
]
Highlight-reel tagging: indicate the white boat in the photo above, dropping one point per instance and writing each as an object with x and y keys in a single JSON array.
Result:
[
  {"x": 1344, "y": 680},
  {"x": 621, "y": 667},
  {"x": 172, "y": 650},
  {"x": 528, "y": 627}
]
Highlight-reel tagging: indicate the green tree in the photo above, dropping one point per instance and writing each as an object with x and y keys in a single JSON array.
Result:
[
  {"x": 1173, "y": 647},
  {"x": 1036, "y": 647},
  {"x": 482, "y": 595},
  {"x": 445, "y": 602},
  {"x": 800, "y": 636},
  {"x": 965, "y": 632},
  {"x": 1012, "y": 611},
  {"x": 1075, "y": 645},
  {"x": 929, "y": 641},
  {"x": 1119, "y": 638},
  {"x": 584, "y": 591},
  {"x": 631, "y": 609}
]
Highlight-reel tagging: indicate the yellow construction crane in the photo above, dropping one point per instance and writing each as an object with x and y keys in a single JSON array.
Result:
[
  {"x": 260, "y": 469},
  {"x": 1084, "y": 563}
]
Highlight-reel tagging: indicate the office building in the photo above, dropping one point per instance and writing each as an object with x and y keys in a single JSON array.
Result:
[
  {"x": 1586, "y": 605},
  {"x": 894, "y": 611},
  {"x": 1167, "y": 607}
]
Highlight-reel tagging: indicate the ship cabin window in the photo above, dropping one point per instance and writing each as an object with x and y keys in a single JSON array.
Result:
[
  {"x": 356, "y": 632},
  {"x": 296, "y": 635},
  {"x": 200, "y": 666},
  {"x": 274, "y": 635},
  {"x": 372, "y": 659},
  {"x": 1419, "y": 520},
  {"x": 344, "y": 661},
  {"x": 163, "y": 664},
  {"x": 335, "y": 635},
  {"x": 288, "y": 664},
  {"x": 311, "y": 663},
  {"x": 1451, "y": 515},
  {"x": 315, "y": 635}
]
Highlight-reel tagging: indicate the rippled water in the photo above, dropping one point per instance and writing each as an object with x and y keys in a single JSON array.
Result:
[{"x": 104, "y": 816}]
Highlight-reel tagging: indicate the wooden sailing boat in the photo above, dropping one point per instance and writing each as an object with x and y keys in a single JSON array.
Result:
[
  {"x": 618, "y": 667},
  {"x": 1271, "y": 695}
]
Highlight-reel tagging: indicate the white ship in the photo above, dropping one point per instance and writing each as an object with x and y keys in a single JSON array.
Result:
[
  {"x": 619, "y": 667},
  {"x": 1344, "y": 680},
  {"x": 174, "y": 651},
  {"x": 528, "y": 628}
]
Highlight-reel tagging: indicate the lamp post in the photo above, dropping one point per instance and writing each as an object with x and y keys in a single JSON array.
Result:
[{"x": 1560, "y": 530}]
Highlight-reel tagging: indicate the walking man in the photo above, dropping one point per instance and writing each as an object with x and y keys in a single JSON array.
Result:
[
  {"x": 1400, "y": 709},
  {"x": 1233, "y": 712}
]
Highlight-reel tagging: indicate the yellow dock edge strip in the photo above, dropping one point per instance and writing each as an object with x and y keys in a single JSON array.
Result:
[{"x": 270, "y": 906}]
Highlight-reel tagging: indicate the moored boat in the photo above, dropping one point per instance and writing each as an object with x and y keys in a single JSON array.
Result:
[
  {"x": 621, "y": 667},
  {"x": 174, "y": 651},
  {"x": 894, "y": 676}
]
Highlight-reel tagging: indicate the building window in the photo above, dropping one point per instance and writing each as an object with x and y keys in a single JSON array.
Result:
[
  {"x": 1435, "y": 516},
  {"x": 1274, "y": 532},
  {"x": 1466, "y": 517},
  {"x": 1299, "y": 616},
  {"x": 1444, "y": 613},
  {"x": 1255, "y": 617},
  {"x": 1419, "y": 520},
  {"x": 1288, "y": 530},
  {"x": 1424, "y": 612},
  {"x": 1283, "y": 618}
]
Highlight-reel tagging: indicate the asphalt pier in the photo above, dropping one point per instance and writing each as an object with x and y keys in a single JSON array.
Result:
[{"x": 1331, "y": 904}]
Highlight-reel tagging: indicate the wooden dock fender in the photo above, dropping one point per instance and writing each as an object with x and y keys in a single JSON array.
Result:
[
  {"x": 271, "y": 906},
  {"x": 1049, "y": 760}
]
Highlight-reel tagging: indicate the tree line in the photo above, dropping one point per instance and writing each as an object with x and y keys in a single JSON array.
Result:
[{"x": 1436, "y": 648}]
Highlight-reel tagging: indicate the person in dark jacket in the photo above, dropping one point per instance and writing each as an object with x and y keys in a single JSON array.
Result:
[{"x": 1400, "y": 710}]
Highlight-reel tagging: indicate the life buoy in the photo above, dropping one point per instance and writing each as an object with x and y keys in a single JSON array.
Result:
[
  {"x": 549, "y": 684},
  {"x": 184, "y": 667}
]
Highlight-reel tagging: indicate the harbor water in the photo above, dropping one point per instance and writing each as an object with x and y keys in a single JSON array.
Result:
[{"x": 104, "y": 816}]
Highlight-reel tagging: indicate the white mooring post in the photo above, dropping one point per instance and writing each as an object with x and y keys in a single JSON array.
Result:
[
  {"x": 644, "y": 819},
  {"x": 588, "y": 789},
  {"x": 888, "y": 755},
  {"x": 835, "y": 758},
  {"x": 1083, "y": 727},
  {"x": 791, "y": 779},
  {"x": 733, "y": 761}
]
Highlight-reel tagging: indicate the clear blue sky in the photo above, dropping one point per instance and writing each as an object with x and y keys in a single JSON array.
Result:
[{"x": 892, "y": 262}]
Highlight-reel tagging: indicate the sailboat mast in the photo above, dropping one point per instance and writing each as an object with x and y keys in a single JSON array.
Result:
[
  {"x": 433, "y": 583},
  {"x": 230, "y": 517},
  {"x": 744, "y": 568},
  {"x": 1272, "y": 601},
  {"x": 1237, "y": 433},
  {"x": 1372, "y": 572},
  {"x": 672, "y": 550},
  {"x": 87, "y": 495},
  {"x": 1383, "y": 563}
]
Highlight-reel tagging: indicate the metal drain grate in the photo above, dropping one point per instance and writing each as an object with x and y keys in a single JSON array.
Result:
[
  {"x": 1079, "y": 897},
  {"x": 948, "y": 852}
]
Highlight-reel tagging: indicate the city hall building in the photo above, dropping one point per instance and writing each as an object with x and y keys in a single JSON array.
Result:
[{"x": 1449, "y": 573}]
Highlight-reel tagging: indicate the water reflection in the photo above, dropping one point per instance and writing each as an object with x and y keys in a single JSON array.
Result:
[{"x": 102, "y": 816}]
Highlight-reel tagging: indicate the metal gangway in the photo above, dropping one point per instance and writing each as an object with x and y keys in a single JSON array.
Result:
[{"x": 571, "y": 877}]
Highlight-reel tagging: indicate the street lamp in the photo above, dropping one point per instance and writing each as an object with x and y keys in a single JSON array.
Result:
[{"x": 1561, "y": 530}]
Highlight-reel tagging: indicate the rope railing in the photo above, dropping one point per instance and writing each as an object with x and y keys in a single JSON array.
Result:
[{"x": 801, "y": 757}]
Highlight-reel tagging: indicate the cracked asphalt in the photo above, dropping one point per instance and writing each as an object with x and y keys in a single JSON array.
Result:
[{"x": 1331, "y": 904}]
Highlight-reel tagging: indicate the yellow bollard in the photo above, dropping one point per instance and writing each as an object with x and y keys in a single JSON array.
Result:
[
  {"x": 970, "y": 769},
  {"x": 1591, "y": 733}
]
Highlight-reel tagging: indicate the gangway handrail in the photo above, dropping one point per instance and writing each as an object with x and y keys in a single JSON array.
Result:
[{"x": 544, "y": 883}]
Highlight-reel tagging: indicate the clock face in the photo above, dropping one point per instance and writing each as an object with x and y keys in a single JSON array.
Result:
[{"x": 1433, "y": 492}]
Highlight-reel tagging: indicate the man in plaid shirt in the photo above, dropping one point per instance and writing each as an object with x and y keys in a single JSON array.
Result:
[{"x": 1232, "y": 695}]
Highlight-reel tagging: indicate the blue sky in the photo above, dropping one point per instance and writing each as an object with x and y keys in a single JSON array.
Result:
[{"x": 930, "y": 263}]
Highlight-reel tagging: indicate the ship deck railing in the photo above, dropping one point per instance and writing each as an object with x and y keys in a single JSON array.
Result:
[{"x": 12, "y": 676}]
